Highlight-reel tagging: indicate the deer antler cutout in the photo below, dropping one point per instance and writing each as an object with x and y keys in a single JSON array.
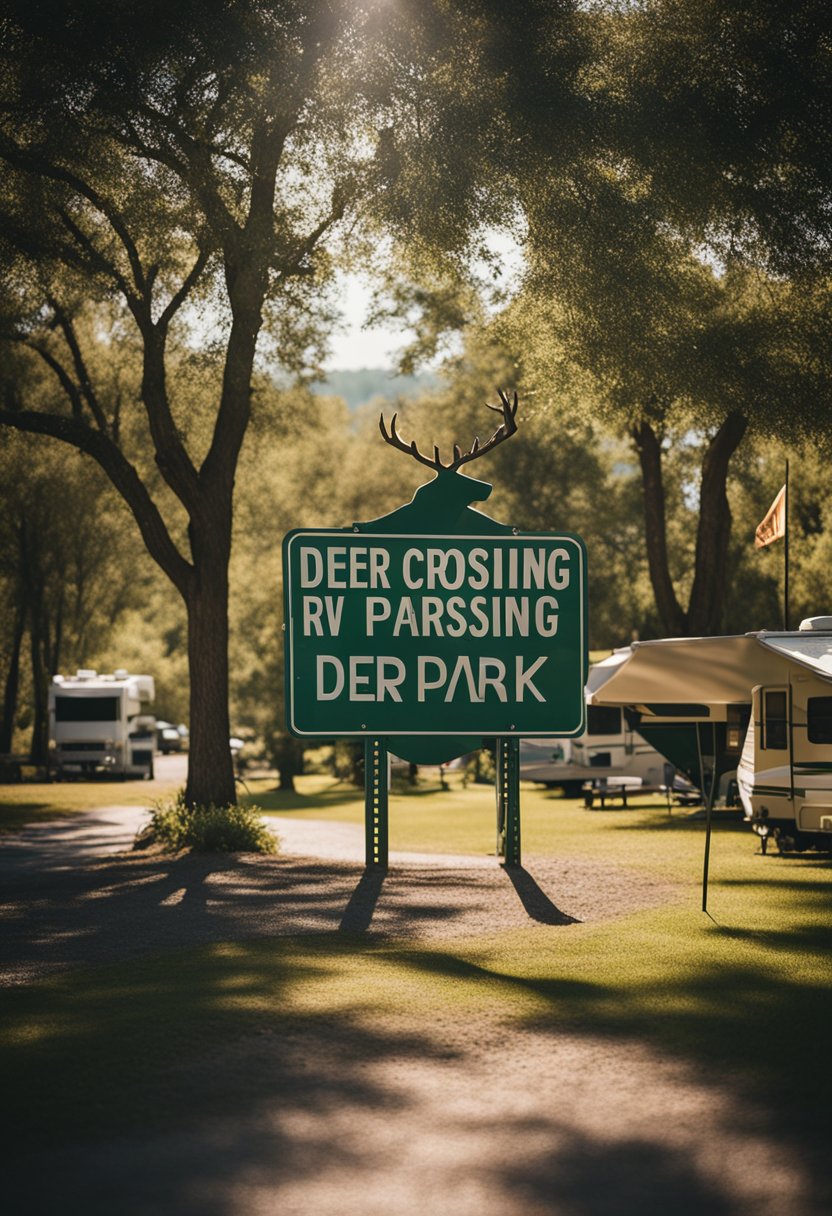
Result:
[{"x": 507, "y": 427}]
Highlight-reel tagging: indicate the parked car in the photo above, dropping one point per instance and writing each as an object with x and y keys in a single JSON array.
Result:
[{"x": 170, "y": 738}]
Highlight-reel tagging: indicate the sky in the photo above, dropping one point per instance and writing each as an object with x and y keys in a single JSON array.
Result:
[{"x": 358, "y": 347}]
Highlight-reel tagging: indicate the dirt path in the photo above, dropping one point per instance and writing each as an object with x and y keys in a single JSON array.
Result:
[
  {"x": 73, "y": 896},
  {"x": 438, "y": 1122},
  {"x": 369, "y": 1115}
]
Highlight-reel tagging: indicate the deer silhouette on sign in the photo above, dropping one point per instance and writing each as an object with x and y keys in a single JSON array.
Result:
[{"x": 443, "y": 505}]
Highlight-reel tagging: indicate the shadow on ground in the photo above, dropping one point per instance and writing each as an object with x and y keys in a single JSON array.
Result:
[
  {"x": 142, "y": 904},
  {"x": 195, "y": 1072},
  {"x": 225, "y": 1082}
]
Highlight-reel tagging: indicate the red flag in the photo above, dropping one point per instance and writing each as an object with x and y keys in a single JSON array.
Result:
[{"x": 773, "y": 526}]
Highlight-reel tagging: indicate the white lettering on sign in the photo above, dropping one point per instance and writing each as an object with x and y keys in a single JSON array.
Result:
[
  {"x": 365, "y": 677},
  {"x": 463, "y": 668},
  {"x": 557, "y": 569},
  {"x": 389, "y": 684},
  {"x": 423, "y": 684},
  {"x": 311, "y": 567},
  {"x": 313, "y": 608},
  {"x": 336, "y": 565},
  {"x": 360, "y": 680},
  {"x": 332, "y": 679},
  {"x": 504, "y": 618},
  {"x": 323, "y": 693},
  {"x": 378, "y": 609},
  {"x": 523, "y": 679},
  {"x": 363, "y": 568}
]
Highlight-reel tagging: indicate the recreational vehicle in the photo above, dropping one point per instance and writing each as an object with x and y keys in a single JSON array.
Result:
[
  {"x": 608, "y": 748},
  {"x": 754, "y": 709},
  {"x": 100, "y": 724}
]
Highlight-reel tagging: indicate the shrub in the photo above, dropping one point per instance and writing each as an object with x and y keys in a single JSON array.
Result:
[{"x": 207, "y": 829}]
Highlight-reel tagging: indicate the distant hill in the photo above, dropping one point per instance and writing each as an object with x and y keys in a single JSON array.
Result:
[{"x": 361, "y": 385}]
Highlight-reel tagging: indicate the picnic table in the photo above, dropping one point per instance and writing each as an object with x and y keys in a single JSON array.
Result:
[{"x": 603, "y": 788}]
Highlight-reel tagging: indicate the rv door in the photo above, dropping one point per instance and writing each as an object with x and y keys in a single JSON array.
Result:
[{"x": 774, "y": 751}]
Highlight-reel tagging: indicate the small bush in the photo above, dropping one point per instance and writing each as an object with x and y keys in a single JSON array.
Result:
[
  {"x": 207, "y": 829},
  {"x": 480, "y": 768}
]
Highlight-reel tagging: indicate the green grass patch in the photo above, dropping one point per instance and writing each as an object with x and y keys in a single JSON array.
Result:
[
  {"x": 38, "y": 802},
  {"x": 462, "y": 819}
]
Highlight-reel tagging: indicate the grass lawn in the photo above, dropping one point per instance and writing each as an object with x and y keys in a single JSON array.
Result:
[
  {"x": 463, "y": 820},
  {"x": 742, "y": 994},
  {"x": 34, "y": 802}
]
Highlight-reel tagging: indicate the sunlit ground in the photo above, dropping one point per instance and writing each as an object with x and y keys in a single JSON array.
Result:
[{"x": 126, "y": 1052}]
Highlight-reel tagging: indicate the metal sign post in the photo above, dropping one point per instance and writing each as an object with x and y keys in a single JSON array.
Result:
[
  {"x": 375, "y": 804},
  {"x": 508, "y": 801}
]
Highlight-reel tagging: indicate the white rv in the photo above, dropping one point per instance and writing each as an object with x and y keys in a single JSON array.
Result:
[
  {"x": 608, "y": 748},
  {"x": 101, "y": 724},
  {"x": 779, "y": 683}
]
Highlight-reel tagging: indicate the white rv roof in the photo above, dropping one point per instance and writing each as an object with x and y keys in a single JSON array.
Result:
[
  {"x": 810, "y": 650},
  {"x": 708, "y": 671}
]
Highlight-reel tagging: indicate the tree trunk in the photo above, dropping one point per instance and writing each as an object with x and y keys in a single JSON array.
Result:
[
  {"x": 12, "y": 683},
  {"x": 713, "y": 534},
  {"x": 288, "y": 756},
  {"x": 210, "y": 766},
  {"x": 39, "y": 633},
  {"x": 671, "y": 615}
]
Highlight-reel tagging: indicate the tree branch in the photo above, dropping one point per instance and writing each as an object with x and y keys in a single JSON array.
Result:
[
  {"x": 84, "y": 381},
  {"x": 293, "y": 265},
  {"x": 179, "y": 297},
  {"x": 97, "y": 261},
  {"x": 123, "y": 476},
  {"x": 31, "y": 162},
  {"x": 67, "y": 383}
]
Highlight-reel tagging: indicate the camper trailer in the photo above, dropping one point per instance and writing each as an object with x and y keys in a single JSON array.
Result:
[
  {"x": 754, "y": 709},
  {"x": 609, "y": 748},
  {"x": 785, "y": 771},
  {"x": 99, "y": 724}
]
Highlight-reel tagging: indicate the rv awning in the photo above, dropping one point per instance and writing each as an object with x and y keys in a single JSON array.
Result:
[{"x": 708, "y": 671}]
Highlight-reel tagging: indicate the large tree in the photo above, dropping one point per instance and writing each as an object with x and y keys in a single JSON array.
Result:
[
  {"x": 173, "y": 176},
  {"x": 657, "y": 157}
]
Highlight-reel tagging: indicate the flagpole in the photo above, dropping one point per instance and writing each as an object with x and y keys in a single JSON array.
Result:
[{"x": 786, "y": 557}]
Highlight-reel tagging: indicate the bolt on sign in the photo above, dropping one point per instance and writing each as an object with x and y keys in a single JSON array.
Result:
[{"x": 435, "y": 635}]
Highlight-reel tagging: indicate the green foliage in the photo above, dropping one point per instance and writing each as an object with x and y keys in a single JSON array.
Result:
[
  {"x": 480, "y": 768},
  {"x": 207, "y": 829}
]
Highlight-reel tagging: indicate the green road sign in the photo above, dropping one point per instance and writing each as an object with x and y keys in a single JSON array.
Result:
[{"x": 434, "y": 635}]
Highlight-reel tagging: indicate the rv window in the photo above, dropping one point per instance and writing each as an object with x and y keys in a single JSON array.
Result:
[
  {"x": 819, "y": 719},
  {"x": 775, "y": 732},
  {"x": 86, "y": 709},
  {"x": 603, "y": 720},
  {"x": 736, "y": 726}
]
